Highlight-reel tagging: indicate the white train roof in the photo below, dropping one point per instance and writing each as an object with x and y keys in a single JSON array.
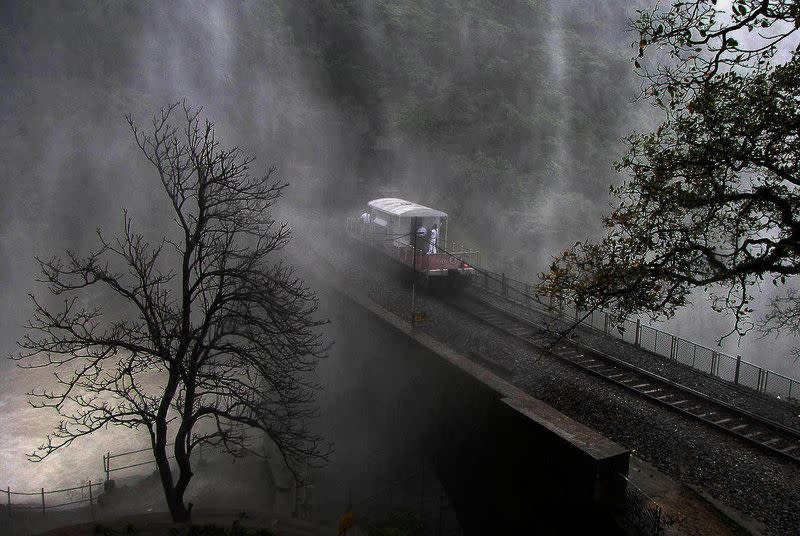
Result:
[{"x": 405, "y": 209}]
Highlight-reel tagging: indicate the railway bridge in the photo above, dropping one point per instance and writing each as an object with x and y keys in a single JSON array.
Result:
[{"x": 531, "y": 433}]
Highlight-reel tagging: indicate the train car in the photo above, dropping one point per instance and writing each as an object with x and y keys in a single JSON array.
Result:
[{"x": 402, "y": 230}]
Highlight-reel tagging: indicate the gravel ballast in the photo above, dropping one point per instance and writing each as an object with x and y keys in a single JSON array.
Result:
[{"x": 760, "y": 485}]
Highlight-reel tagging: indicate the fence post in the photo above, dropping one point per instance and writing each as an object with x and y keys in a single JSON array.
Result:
[
  {"x": 738, "y": 366},
  {"x": 42, "y": 501},
  {"x": 605, "y": 322},
  {"x": 91, "y": 499},
  {"x": 673, "y": 348},
  {"x": 766, "y": 379},
  {"x": 638, "y": 337},
  {"x": 713, "y": 361},
  {"x": 8, "y": 491}
]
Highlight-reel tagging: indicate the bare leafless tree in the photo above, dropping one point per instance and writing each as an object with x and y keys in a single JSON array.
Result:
[{"x": 215, "y": 336}]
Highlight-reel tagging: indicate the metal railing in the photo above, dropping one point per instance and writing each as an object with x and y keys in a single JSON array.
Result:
[
  {"x": 107, "y": 469},
  {"x": 401, "y": 246},
  {"x": 699, "y": 357},
  {"x": 80, "y": 494},
  {"x": 200, "y": 450}
]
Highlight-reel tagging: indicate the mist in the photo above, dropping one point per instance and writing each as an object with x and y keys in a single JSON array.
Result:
[
  {"x": 518, "y": 175},
  {"x": 506, "y": 115}
]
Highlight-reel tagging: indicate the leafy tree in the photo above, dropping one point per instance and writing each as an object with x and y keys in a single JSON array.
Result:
[
  {"x": 697, "y": 41},
  {"x": 209, "y": 334},
  {"x": 712, "y": 197}
]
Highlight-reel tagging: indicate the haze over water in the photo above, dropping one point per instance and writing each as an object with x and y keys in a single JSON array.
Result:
[{"x": 262, "y": 72}]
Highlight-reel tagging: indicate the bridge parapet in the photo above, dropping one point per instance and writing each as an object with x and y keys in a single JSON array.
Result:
[{"x": 511, "y": 464}]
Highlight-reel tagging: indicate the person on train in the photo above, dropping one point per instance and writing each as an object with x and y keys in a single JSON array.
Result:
[
  {"x": 432, "y": 240},
  {"x": 365, "y": 221},
  {"x": 422, "y": 233}
]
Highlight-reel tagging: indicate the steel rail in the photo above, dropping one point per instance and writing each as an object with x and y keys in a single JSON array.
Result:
[
  {"x": 84, "y": 486},
  {"x": 754, "y": 429},
  {"x": 717, "y": 379}
]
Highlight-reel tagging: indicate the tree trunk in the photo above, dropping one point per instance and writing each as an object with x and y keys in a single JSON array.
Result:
[
  {"x": 184, "y": 467},
  {"x": 177, "y": 509},
  {"x": 179, "y": 512}
]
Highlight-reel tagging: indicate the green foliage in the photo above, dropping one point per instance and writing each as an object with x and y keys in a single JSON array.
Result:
[
  {"x": 698, "y": 40},
  {"x": 129, "y": 529},
  {"x": 211, "y": 529},
  {"x": 103, "y": 530},
  {"x": 713, "y": 194},
  {"x": 399, "y": 523},
  {"x": 236, "y": 529}
]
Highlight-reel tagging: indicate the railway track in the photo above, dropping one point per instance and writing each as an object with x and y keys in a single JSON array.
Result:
[{"x": 769, "y": 435}]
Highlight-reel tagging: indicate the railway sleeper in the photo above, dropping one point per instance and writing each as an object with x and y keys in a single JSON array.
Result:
[
  {"x": 606, "y": 370},
  {"x": 787, "y": 445}
]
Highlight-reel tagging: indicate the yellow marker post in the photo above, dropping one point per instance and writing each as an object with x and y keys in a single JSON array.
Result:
[{"x": 345, "y": 522}]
